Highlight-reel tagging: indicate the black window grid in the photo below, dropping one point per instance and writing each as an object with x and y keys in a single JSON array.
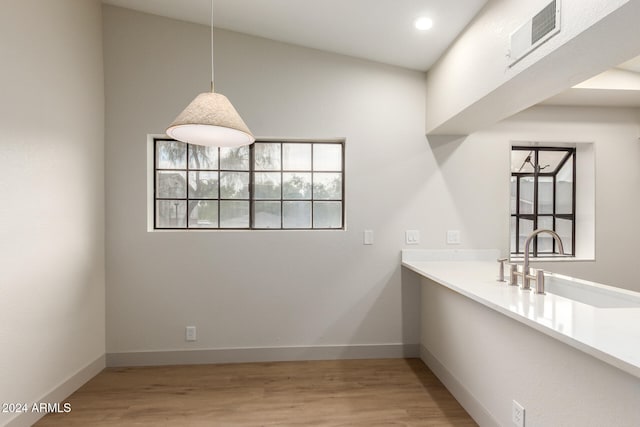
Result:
[
  {"x": 251, "y": 171},
  {"x": 554, "y": 215}
]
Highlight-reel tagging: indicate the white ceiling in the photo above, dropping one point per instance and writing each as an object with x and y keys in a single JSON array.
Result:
[
  {"x": 617, "y": 87},
  {"x": 631, "y": 65},
  {"x": 378, "y": 30}
]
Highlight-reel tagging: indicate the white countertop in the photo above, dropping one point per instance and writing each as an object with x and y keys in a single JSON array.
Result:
[{"x": 609, "y": 334}]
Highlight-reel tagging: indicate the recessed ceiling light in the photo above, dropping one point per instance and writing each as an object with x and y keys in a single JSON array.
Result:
[{"x": 423, "y": 23}]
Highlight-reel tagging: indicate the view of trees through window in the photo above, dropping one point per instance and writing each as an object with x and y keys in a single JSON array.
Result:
[
  {"x": 543, "y": 188},
  {"x": 267, "y": 185}
]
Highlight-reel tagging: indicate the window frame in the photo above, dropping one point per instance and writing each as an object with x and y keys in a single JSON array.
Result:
[
  {"x": 536, "y": 174},
  {"x": 252, "y": 171}
]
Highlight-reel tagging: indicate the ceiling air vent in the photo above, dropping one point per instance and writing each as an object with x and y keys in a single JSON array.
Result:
[{"x": 544, "y": 25}]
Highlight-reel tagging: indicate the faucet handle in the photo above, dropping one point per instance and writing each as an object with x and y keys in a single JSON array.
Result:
[
  {"x": 513, "y": 274},
  {"x": 502, "y": 262}
]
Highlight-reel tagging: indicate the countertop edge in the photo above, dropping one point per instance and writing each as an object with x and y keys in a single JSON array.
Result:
[{"x": 573, "y": 342}]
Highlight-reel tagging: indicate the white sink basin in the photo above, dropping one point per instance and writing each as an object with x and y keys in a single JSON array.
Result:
[{"x": 590, "y": 293}]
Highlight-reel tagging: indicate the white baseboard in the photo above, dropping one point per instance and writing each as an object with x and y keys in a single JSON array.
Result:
[
  {"x": 468, "y": 401},
  {"x": 59, "y": 393},
  {"x": 265, "y": 354}
]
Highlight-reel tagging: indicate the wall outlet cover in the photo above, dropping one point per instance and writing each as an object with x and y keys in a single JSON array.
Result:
[
  {"x": 517, "y": 414},
  {"x": 453, "y": 237},
  {"x": 190, "y": 333}
]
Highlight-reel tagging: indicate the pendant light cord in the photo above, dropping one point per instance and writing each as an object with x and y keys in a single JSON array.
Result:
[{"x": 212, "y": 46}]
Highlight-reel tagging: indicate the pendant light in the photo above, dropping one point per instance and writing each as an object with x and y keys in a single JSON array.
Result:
[{"x": 210, "y": 119}]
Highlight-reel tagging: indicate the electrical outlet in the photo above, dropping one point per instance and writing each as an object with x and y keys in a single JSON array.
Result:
[
  {"x": 190, "y": 333},
  {"x": 517, "y": 414},
  {"x": 453, "y": 237}
]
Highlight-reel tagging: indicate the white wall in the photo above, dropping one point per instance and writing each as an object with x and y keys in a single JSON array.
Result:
[
  {"x": 287, "y": 289},
  {"x": 52, "y": 295},
  {"x": 476, "y": 170},
  {"x": 488, "y": 360},
  {"x": 472, "y": 87},
  {"x": 247, "y": 289}
]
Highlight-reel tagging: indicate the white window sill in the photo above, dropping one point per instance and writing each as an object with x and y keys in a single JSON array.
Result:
[{"x": 558, "y": 258}]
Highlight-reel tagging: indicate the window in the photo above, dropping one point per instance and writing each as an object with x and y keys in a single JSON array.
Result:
[
  {"x": 267, "y": 185},
  {"x": 543, "y": 195}
]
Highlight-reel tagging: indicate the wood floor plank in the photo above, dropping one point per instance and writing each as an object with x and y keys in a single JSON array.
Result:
[{"x": 385, "y": 392}]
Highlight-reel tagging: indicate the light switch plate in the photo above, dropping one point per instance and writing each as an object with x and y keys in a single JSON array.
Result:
[
  {"x": 412, "y": 237},
  {"x": 453, "y": 237},
  {"x": 368, "y": 237}
]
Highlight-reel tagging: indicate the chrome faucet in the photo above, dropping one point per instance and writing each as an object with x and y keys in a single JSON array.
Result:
[{"x": 538, "y": 275}]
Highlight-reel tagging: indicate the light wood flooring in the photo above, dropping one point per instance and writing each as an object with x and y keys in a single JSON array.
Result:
[{"x": 387, "y": 392}]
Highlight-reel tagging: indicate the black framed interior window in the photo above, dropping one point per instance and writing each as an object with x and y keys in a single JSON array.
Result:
[
  {"x": 267, "y": 185},
  {"x": 543, "y": 195}
]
